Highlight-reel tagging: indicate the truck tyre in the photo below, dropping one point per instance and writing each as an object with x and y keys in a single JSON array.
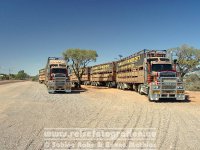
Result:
[
  {"x": 107, "y": 84},
  {"x": 134, "y": 87},
  {"x": 149, "y": 98},
  {"x": 50, "y": 92},
  {"x": 123, "y": 86},
  {"x": 110, "y": 85},
  {"x": 120, "y": 86},
  {"x": 139, "y": 88},
  {"x": 141, "y": 93}
]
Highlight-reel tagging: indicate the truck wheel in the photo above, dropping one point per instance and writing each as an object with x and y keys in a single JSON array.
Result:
[
  {"x": 110, "y": 85},
  {"x": 107, "y": 85},
  {"x": 123, "y": 87},
  {"x": 141, "y": 91},
  {"x": 139, "y": 88},
  {"x": 134, "y": 87},
  {"x": 149, "y": 98},
  {"x": 120, "y": 86},
  {"x": 50, "y": 92}
]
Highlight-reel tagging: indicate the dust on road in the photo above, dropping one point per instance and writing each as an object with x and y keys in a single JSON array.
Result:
[{"x": 26, "y": 109}]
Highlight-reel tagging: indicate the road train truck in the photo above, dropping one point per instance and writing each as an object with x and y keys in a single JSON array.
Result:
[
  {"x": 56, "y": 75},
  {"x": 150, "y": 72},
  {"x": 41, "y": 75}
]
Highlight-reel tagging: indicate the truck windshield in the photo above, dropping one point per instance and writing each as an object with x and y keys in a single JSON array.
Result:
[
  {"x": 57, "y": 70},
  {"x": 161, "y": 67}
]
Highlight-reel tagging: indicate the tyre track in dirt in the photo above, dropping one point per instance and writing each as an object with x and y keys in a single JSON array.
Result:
[
  {"x": 27, "y": 108},
  {"x": 187, "y": 131}
]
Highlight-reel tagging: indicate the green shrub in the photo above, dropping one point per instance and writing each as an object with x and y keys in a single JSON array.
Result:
[{"x": 192, "y": 83}]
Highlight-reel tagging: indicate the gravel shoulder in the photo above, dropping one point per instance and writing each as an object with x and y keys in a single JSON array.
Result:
[
  {"x": 9, "y": 81},
  {"x": 26, "y": 109}
]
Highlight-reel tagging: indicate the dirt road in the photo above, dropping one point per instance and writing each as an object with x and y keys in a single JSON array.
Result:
[
  {"x": 9, "y": 81},
  {"x": 26, "y": 109}
]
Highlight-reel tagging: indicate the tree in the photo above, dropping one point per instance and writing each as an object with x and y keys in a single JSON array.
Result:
[
  {"x": 21, "y": 75},
  {"x": 192, "y": 82},
  {"x": 12, "y": 76},
  {"x": 80, "y": 58},
  {"x": 35, "y": 78},
  {"x": 120, "y": 56},
  {"x": 188, "y": 58}
]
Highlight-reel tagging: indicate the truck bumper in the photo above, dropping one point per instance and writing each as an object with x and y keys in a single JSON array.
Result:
[
  {"x": 53, "y": 91},
  {"x": 180, "y": 96},
  {"x": 167, "y": 96},
  {"x": 52, "y": 88},
  {"x": 154, "y": 97}
]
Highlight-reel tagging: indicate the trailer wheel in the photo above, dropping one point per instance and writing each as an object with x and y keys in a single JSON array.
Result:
[
  {"x": 110, "y": 85},
  {"x": 139, "y": 89},
  {"x": 120, "y": 86},
  {"x": 135, "y": 88},
  {"x": 123, "y": 86},
  {"x": 107, "y": 85}
]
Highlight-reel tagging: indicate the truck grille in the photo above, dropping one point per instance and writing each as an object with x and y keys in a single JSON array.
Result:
[
  {"x": 164, "y": 86},
  {"x": 168, "y": 83},
  {"x": 60, "y": 81}
]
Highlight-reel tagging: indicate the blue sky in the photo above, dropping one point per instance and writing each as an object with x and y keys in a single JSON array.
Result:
[{"x": 32, "y": 30}]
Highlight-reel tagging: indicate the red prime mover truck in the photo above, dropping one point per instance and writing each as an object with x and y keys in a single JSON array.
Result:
[
  {"x": 150, "y": 72},
  {"x": 56, "y": 75}
]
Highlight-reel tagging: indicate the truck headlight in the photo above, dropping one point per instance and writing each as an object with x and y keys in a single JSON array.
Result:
[
  {"x": 156, "y": 87},
  {"x": 180, "y": 87}
]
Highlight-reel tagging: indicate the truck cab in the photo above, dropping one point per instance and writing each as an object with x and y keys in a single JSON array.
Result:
[
  {"x": 161, "y": 79},
  {"x": 57, "y": 75}
]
